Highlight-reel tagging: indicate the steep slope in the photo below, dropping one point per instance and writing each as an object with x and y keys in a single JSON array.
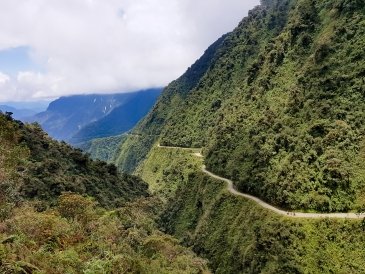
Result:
[
  {"x": 104, "y": 149},
  {"x": 238, "y": 235},
  {"x": 46, "y": 168},
  {"x": 44, "y": 228},
  {"x": 135, "y": 148},
  {"x": 66, "y": 115},
  {"x": 278, "y": 107}
]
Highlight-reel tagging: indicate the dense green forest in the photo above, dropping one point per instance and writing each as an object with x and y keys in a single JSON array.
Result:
[
  {"x": 105, "y": 149},
  {"x": 61, "y": 212},
  {"x": 239, "y": 236},
  {"x": 51, "y": 168},
  {"x": 277, "y": 106}
]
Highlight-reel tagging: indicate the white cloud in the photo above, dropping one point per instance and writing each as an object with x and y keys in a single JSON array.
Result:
[
  {"x": 4, "y": 79},
  {"x": 5, "y": 85},
  {"x": 115, "y": 45}
]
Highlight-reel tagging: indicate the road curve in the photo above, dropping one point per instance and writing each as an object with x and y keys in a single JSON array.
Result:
[{"x": 291, "y": 214}]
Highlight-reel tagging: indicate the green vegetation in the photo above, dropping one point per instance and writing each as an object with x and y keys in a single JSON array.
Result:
[
  {"x": 133, "y": 150},
  {"x": 61, "y": 212},
  {"x": 239, "y": 236},
  {"x": 53, "y": 168},
  {"x": 165, "y": 171},
  {"x": 76, "y": 236},
  {"x": 277, "y": 105},
  {"x": 104, "y": 149},
  {"x": 136, "y": 147},
  {"x": 11, "y": 152}
]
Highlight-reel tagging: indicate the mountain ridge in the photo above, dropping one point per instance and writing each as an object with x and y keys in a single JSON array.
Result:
[
  {"x": 252, "y": 108},
  {"x": 120, "y": 119},
  {"x": 277, "y": 107},
  {"x": 78, "y": 115},
  {"x": 62, "y": 212}
]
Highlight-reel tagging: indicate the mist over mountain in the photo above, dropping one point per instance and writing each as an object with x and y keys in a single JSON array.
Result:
[
  {"x": 19, "y": 114},
  {"x": 37, "y": 105}
]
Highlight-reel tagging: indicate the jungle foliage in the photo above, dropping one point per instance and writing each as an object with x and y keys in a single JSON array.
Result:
[
  {"x": 61, "y": 212},
  {"x": 104, "y": 149},
  {"x": 77, "y": 236},
  {"x": 50, "y": 168},
  {"x": 238, "y": 236},
  {"x": 277, "y": 105}
]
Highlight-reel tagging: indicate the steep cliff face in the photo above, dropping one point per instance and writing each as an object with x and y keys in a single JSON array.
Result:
[
  {"x": 277, "y": 105},
  {"x": 121, "y": 119}
]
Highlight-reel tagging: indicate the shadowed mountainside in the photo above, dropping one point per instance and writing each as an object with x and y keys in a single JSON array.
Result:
[{"x": 80, "y": 118}]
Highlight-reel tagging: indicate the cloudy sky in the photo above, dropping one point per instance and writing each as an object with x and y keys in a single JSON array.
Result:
[{"x": 50, "y": 48}]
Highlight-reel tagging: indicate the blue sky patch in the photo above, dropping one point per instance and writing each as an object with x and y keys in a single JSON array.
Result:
[{"x": 17, "y": 59}]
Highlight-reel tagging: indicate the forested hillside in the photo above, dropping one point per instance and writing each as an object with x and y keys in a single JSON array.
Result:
[
  {"x": 46, "y": 168},
  {"x": 104, "y": 149},
  {"x": 238, "y": 235},
  {"x": 277, "y": 106},
  {"x": 61, "y": 212}
]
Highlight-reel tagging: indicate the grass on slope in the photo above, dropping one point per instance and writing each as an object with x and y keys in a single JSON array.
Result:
[
  {"x": 132, "y": 151},
  {"x": 165, "y": 171},
  {"x": 281, "y": 111}
]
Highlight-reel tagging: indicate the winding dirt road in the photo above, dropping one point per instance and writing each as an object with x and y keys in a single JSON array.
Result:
[{"x": 291, "y": 214}]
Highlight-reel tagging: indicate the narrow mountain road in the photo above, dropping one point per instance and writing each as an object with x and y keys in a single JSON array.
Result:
[
  {"x": 291, "y": 214},
  {"x": 181, "y": 148}
]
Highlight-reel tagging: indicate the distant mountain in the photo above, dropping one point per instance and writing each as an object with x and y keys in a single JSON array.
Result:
[
  {"x": 66, "y": 116},
  {"x": 120, "y": 119},
  {"x": 18, "y": 114},
  {"x": 36, "y": 106}
]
